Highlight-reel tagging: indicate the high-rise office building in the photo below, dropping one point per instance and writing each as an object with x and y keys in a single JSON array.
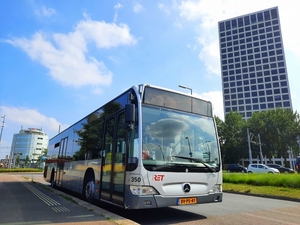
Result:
[
  {"x": 253, "y": 66},
  {"x": 27, "y": 147}
]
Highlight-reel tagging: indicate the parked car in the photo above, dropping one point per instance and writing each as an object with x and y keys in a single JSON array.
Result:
[
  {"x": 236, "y": 168},
  {"x": 281, "y": 169},
  {"x": 261, "y": 168}
]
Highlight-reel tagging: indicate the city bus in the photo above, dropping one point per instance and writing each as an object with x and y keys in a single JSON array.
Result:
[{"x": 150, "y": 147}]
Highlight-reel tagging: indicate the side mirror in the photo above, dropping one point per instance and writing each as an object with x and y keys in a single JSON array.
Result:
[{"x": 129, "y": 116}]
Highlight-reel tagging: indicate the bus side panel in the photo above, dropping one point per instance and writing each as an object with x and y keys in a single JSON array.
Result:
[{"x": 74, "y": 173}]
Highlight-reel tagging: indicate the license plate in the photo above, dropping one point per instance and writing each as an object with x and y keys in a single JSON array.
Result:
[{"x": 187, "y": 201}]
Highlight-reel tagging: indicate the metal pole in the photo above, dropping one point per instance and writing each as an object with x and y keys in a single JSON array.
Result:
[
  {"x": 249, "y": 147},
  {"x": 186, "y": 88},
  {"x": 191, "y": 94},
  {"x": 3, "y": 121},
  {"x": 260, "y": 150}
]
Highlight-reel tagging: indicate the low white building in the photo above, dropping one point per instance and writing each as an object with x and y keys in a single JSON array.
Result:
[{"x": 27, "y": 147}]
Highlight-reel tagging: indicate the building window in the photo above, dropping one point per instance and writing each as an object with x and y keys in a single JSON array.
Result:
[
  {"x": 282, "y": 77},
  {"x": 240, "y": 23},
  {"x": 221, "y": 27},
  {"x": 286, "y": 104},
  {"x": 268, "y": 85},
  {"x": 260, "y": 86},
  {"x": 254, "y": 93},
  {"x": 285, "y": 97},
  {"x": 267, "y": 15},
  {"x": 269, "y": 92},
  {"x": 263, "y": 106},
  {"x": 276, "y": 91},
  {"x": 248, "y": 107},
  {"x": 270, "y": 99},
  {"x": 262, "y": 99},
  {"x": 271, "y": 105}
]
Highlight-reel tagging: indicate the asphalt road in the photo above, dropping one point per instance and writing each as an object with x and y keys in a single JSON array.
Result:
[
  {"x": 22, "y": 203},
  {"x": 235, "y": 209},
  {"x": 23, "y": 200}
]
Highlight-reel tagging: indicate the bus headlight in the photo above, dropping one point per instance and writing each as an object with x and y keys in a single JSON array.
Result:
[
  {"x": 217, "y": 188},
  {"x": 143, "y": 190}
]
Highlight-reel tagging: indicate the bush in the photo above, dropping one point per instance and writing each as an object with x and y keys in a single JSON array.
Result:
[{"x": 4, "y": 170}]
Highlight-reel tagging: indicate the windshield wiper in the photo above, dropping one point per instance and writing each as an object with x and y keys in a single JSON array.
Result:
[{"x": 196, "y": 160}]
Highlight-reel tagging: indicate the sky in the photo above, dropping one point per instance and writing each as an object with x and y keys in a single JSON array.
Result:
[{"x": 61, "y": 60}]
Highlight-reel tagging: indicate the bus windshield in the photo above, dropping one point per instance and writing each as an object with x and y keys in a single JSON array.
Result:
[{"x": 178, "y": 141}]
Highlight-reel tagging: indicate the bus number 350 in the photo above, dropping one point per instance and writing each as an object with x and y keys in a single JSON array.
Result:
[{"x": 136, "y": 179}]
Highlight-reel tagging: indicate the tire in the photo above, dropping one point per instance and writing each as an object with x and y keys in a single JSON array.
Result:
[
  {"x": 89, "y": 188},
  {"x": 249, "y": 171},
  {"x": 52, "y": 180}
]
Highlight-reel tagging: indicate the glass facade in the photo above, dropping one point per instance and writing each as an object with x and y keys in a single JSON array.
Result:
[
  {"x": 28, "y": 145},
  {"x": 253, "y": 67}
]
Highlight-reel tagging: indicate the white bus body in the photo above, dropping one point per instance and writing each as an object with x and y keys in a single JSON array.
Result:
[{"x": 148, "y": 148}]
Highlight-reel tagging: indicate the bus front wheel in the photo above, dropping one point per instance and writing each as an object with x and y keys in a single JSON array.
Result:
[{"x": 89, "y": 188}]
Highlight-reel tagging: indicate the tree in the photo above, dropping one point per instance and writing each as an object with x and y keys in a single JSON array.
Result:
[
  {"x": 278, "y": 129},
  {"x": 233, "y": 134}
]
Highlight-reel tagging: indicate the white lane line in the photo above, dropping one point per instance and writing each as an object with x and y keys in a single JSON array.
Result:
[
  {"x": 46, "y": 199},
  {"x": 49, "y": 201}
]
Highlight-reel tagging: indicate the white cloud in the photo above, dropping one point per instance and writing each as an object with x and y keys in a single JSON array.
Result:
[
  {"x": 208, "y": 13},
  {"x": 46, "y": 12},
  {"x": 26, "y": 117},
  {"x": 137, "y": 8},
  {"x": 66, "y": 56},
  {"x": 117, "y": 7},
  {"x": 164, "y": 8}
]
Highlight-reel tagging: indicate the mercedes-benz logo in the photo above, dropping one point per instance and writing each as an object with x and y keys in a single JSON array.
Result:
[{"x": 186, "y": 188}]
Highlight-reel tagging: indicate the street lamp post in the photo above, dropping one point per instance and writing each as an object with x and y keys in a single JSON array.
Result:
[
  {"x": 191, "y": 94},
  {"x": 186, "y": 88},
  {"x": 3, "y": 121}
]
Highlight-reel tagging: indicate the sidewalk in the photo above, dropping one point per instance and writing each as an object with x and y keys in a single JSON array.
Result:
[{"x": 112, "y": 219}]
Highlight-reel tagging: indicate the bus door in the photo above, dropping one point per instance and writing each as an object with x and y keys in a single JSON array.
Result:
[
  {"x": 60, "y": 160},
  {"x": 113, "y": 171}
]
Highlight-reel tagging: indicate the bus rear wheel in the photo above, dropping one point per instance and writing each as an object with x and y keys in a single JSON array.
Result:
[
  {"x": 89, "y": 188},
  {"x": 52, "y": 180}
]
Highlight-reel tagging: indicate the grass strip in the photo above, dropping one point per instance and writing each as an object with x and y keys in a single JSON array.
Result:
[{"x": 263, "y": 191}]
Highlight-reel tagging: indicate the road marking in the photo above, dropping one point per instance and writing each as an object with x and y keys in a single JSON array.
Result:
[{"x": 46, "y": 199}]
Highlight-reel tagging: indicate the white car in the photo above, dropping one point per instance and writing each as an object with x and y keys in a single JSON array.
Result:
[{"x": 261, "y": 168}]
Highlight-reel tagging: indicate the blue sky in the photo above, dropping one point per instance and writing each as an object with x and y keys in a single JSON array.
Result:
[{"x": 60, "y": 60}]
